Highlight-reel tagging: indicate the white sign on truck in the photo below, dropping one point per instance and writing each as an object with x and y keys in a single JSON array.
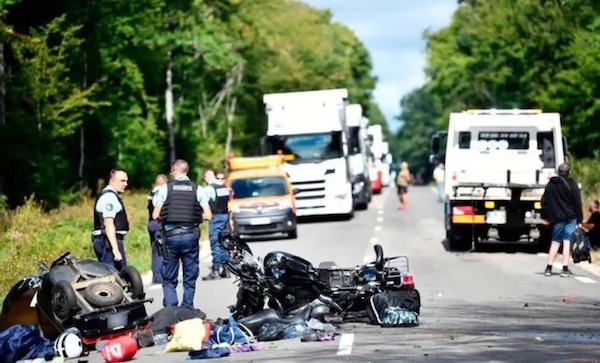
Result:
[
  {"x": 497, "y": 164},
  {"x": 309, "y": 128}
]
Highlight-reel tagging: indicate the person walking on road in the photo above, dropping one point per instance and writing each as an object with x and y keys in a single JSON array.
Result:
[
  {"x": 438, "y": 176},
  {"x": 153, "y": 228},
  {"x": 561, "y": 207},
  {"x": 110, "y": 221},
  {"x": 219, "y": 195},
  {"x": 181, "y": 205},
  {"x": 402, "y": 182}
]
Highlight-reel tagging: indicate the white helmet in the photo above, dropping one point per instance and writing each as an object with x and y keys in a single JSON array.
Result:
[{"x": 68, "y": 344}]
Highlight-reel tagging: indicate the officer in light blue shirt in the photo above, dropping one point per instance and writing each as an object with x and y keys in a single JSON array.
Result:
[{"x": 180, "y": 205}]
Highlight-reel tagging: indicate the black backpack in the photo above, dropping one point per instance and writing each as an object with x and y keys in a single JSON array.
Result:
[{"x": 580, "y": 246}]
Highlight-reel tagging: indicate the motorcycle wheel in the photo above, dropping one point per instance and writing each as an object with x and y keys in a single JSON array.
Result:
[
  {"x": 133, "y": 278},
  {"x": 63, "y": 300}
]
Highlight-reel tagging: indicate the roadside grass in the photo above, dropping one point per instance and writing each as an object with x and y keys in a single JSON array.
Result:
[{"x": 28, "y": 235}]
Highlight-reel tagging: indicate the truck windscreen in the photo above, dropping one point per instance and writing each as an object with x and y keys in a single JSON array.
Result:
[
  {"x": 354, "y": 140},
  {"x": 308, "y": 147}
]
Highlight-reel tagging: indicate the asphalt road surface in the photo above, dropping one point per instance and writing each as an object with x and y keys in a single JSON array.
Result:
[{"x": 482, "y": 306}]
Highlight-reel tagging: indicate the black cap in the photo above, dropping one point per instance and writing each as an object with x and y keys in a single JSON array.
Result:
[{"x": 564, "y": 169}]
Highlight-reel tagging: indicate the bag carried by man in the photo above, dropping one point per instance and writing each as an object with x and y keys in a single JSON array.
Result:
[{"x": 580, "y": 246}]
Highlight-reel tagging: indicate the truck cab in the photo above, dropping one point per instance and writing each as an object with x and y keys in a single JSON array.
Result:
[
  {"x": 357, "y": 148},
  {"x": 309, "y": 129},
  {"x": 263, "y": 198},
  {"x": 497, "y": 164}
]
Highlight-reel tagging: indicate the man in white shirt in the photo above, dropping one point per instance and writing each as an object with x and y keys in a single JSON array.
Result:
[{"x": 438, "y": 176}]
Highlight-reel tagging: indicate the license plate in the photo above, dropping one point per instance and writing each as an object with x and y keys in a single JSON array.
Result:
[
  {"x": 259, "y": 221},
  {"x": 496, "y": 217}
]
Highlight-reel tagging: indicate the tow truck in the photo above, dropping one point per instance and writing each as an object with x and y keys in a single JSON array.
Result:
[{"x": 498, "y": 163}]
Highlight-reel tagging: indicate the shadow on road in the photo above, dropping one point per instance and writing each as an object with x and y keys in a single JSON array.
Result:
[
  {"x": 323, "y": 218},
  {"x": 498, "y": 248}
]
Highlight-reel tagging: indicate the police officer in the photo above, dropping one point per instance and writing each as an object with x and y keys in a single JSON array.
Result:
[
  {"x": 218, "y": 194},
  {"x": 153, "y": 227},
  {"x": 181, "y": 206},
  {"x": 110, "y": 221}
]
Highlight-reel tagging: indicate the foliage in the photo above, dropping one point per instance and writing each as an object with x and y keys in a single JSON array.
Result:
[
  {"x": 43, "y": 236},
  {"x": 510, "y": 54}
]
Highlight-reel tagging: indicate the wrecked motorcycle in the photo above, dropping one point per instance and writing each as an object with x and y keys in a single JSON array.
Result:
[{"x": 289, "y": 283}]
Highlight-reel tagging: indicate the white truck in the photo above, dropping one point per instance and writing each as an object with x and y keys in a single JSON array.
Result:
[
  {"x": 309, "y": 128},
  {"x": 378, "y": 168},
  {"x": 385, "y": 164},
  {"x": 497, "y": 163},
  {"x": 357, "y": 148}
]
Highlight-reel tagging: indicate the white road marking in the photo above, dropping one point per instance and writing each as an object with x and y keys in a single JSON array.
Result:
[
  {"x": 377, "y": 228},
  {"x": 379, "y": 219},
  {"x": 373, "y": 240},
  {"x": 368, "y": 258},
  {"x": 585, "y": 280},
  {"x": 542, "y": 254},
  {"x": 380, "y": 211},
  {"x": 345, "y": 347},
  {"x": 154, "y": 287}
]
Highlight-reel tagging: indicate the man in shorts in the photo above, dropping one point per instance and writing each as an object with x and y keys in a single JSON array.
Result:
[{"x": 561, "y": 207}]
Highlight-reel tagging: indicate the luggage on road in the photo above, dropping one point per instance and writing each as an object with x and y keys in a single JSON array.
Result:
[{"x": 580, "y": 246}]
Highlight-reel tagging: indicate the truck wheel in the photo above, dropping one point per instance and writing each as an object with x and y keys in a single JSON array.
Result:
[
  {"x": 63, "y": 300},
  {"x": 456, "y": 242},
  {"x": 133, "y": 278},
  {"x": 103, "y": 294}
]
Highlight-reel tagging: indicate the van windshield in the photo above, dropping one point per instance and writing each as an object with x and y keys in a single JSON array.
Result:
[{"x": 258, "y": 187}]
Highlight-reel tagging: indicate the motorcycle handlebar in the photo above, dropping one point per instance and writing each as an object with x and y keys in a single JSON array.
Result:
[
  {"x": 379, "y": 259},
  {"x": 329, "y": 301}
]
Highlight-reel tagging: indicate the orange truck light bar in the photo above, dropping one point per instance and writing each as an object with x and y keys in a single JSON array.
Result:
[{"x": 258, "y": 162}]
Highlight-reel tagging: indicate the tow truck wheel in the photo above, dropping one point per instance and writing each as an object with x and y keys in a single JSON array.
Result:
[{"x": 458, "y": 242}]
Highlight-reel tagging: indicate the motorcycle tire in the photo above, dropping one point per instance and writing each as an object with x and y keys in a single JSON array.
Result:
[
  {"x": 134, "y": 281},
  {"x": 63, "y": 300},
  {"x": 103, "y": 294}
]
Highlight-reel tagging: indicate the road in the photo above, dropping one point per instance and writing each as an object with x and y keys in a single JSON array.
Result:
[{"x": 491, "y": 305}]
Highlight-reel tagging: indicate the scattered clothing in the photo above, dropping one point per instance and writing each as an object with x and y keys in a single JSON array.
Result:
[{"x": 22, "y": 342}]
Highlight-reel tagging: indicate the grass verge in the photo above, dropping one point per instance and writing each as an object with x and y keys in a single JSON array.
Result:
[{"x": 29, "y": 235}]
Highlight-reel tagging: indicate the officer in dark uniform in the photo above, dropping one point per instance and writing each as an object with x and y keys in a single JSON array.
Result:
[
  {"x": 110, "y": 221},
  {"x": 218, "y": 194},
  {"x": 153, "y": 227},
  {"x": 181, "y": 205}
]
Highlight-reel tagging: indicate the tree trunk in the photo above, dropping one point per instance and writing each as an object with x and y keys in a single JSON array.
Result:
[
  {"x": 2, "y": 89},
  {"x": 238, "y": 73},
  {"x": 169, "y": 107},
  {"x": 82, "y": 130}
]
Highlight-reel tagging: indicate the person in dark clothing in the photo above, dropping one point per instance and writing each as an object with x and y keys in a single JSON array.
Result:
[
  {"x": 561, "y": 207},
  {"x": 181, "y": 205},
  {"x": 593, "y": 224},
  {"x": 218, "y": 194},
  {"x": 153, "y": 227}
]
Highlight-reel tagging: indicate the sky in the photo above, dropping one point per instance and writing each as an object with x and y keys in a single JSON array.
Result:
[{"x": 392, "y": 32}]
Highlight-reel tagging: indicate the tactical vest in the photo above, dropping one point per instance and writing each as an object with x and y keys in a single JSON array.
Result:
[
  {"x": 121, "y": 221},
  {"x": 181, "y": 206},
  {"x": 219, "y": 204}
]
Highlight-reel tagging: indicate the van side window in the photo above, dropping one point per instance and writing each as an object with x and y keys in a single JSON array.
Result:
[
  {"x": 464, "y": 140},
  {"x": 545, "y": 143}
]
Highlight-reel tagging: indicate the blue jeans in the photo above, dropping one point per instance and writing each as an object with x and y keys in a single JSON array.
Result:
[
  {"x": 562, "y": 231},
  {"x": 218, "y": 223},
  {"x": 440, "y": 192},
  {"x": 156, "y": 258},
  {"x": 182, "y": 247},
  {"x": 105, "y": 255}
]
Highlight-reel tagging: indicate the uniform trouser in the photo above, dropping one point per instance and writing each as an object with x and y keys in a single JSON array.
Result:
[
  {"x": 182, "y": 247},
  {"x": 217, "y": 224},
  {"x": 104, "y": 252},
  {"x": 157, "y": 259}
]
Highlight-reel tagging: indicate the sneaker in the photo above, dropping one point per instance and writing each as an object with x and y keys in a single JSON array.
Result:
[
  {"x": 566, "y": 273},
  {"x": 548, "y": 271}
]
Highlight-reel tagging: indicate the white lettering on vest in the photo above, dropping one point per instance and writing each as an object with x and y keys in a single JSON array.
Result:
[{"x": 183, "y": 188}]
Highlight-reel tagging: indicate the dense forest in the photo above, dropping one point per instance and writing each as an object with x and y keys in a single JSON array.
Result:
[
  {"x": 541, "y": 54},
  {"x": 89, "y": 85}
]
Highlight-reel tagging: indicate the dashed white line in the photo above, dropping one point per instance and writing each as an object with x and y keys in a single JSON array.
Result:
[
  {"x": 373, "y": 240},
  {"x": 377, "y": 228},
  {"x": 345, "y": 347},
  {"x": 379, "y": 219},
  {"x": 380, "y": 211},
  {"x": 585, "y": 280}
]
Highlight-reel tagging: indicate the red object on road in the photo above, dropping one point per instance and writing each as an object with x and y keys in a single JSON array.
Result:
[{"x": 120, "y": 349}]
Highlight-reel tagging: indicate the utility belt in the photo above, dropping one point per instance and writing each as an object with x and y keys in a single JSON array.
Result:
[
  {"x": 105, "y": 242},
  {"x": 181, "y": 230},
  {"x": 162, "y": 235}
]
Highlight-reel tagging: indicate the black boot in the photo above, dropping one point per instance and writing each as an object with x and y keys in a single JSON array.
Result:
[
  {"x": 213, "y": 275},
  {"x": 225, "y": 273}
]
